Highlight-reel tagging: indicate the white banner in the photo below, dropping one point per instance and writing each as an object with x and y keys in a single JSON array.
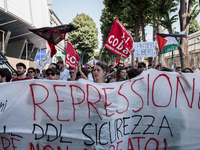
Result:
[
  {"x": 144, "y": 49},
  {"x": 154, "y": 111}
]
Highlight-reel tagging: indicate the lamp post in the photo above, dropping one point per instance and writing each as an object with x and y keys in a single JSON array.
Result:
[{"x": 83, "y": 55}]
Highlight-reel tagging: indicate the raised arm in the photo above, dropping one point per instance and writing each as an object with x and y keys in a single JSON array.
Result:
[{"x": 132, "y": 59}]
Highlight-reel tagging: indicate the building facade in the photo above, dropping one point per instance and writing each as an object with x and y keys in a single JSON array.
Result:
[{"x": 194, "y": 53}]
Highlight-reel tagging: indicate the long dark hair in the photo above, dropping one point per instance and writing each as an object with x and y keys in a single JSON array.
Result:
[{"x": 118, "y": 72}]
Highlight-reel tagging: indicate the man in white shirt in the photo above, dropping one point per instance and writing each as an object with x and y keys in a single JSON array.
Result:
[
  {"x": 90, "y": 77},
  {"x": 64, "y": 73}
]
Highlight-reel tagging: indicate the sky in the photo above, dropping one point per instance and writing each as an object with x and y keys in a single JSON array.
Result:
[{"x": 66, "y": 10}]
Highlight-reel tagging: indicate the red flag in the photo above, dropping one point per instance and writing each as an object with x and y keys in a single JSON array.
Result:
[
  {"x": 93, "y": 62},
  {"x": 86, "y": 65},
  {"x": 119, "y": 40},
  {"x": 161, "y": 42},
  {"x": 116, "y": 61},
  {"x": 53, "y": 49},
  {"x": 71, "y": 55}
]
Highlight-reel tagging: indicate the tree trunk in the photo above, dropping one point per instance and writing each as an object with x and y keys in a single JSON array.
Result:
[
  {"x": 137, "y": 36},
  {"x": 142, "y": 22},
  {"x": 184, "y": 17}
]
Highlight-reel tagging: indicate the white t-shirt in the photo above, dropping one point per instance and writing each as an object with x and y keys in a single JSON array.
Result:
[
  {"x": 64, "y": 75},
  {"x": 90, "y": 77}
]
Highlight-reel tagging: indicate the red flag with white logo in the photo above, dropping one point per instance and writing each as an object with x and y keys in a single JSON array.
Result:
[
  {"x": 71, "y": 55},
  {"x": 119, "y": 40}
]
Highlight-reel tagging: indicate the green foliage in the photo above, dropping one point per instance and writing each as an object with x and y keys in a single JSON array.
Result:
[
  {"x": 194, "y": 26},
  {"x": 84, "y": 38},
  {"x": 107, "y": 20}
]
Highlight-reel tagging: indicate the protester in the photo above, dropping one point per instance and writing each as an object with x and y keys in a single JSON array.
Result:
[
  {"x": 31, "y": 72},
  {"x": 149, "y": 66},
  {"x": 82, "y": 73},
  {"x": 52, "y": 74},
  {"x": 120, "y": 65},
  {"x": 37, "y": 74},
  {"x": 141, "y": 67},
  {"x": 79, "y": 73},
  {"x": 159, "y": 66},
  {"x": 178, "y": 70},
  {"x": 21, "y": 69},
  {"x": 13, "y": 75},
  {"x": 187, "y": 70},
  {"x": 128, "y": 68},
  {"x": 120, "y": 75},
  {"x": 166, "y": 69},
  {"x": 64, "y": 73},
  {"x": 109, "y": 76},
  {"x": 111, "y": 68},
  {"x": 198, "y": 69},
  {"x": 54, "y": 65},
  {"x": 43, "y": 74},
  {"x": 90, "y": 77},
  {"x": 5, "y": 75},
  {"x": 132, "y": 73},
  {"x": 72, "y": 71},
  {"x": 99, "y": 72}
]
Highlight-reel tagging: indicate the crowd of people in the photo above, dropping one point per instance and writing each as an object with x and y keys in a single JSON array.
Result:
[{"x": 100, "y": 73}]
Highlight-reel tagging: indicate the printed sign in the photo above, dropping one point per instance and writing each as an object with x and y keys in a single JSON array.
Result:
[
  {"x": 119, "y": 40},
  {"x": 144, "y": 49},
  {"x": 154, "y": 111}
]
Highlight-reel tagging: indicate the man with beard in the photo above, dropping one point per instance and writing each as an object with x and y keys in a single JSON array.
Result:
[
  {"x": 64, "y": 73},
  {"x": 21, "y": 69},
  {"x": 5, "y": 75}
]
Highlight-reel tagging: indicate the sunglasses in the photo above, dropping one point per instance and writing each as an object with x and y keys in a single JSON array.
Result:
[
  {"x": 30, "y": 71},
  {"x": 141, "y": 66},
  {"x": 71, "y": 72},
  {"x": 52, "y": 74}
]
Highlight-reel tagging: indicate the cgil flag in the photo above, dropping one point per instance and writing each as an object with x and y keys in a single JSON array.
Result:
[
  {"x": 71, "y": 55},
  {"x": 169, "y": 42},
  {"x": 119, "y": 40}
]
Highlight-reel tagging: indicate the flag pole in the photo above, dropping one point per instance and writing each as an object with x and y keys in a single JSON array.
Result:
[
  {"x": 102, "y": 51},
  {"x": 172, "y": 61}
]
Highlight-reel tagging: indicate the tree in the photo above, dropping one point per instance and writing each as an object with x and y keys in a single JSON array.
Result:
[
  {"x": 186, "y": 13},
  {"x": 84, "y": 39},
  {"x": 194, "y": 26},
  {"x": 107, "y": 20}
]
